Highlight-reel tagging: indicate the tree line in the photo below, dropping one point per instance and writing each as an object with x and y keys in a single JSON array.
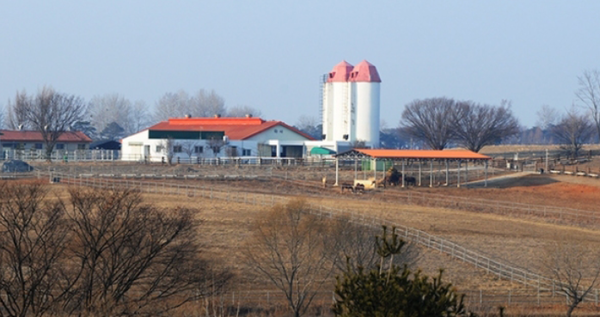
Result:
[
  {"x": 109, "y": 116},
  {"x": 432, "y": 123}
]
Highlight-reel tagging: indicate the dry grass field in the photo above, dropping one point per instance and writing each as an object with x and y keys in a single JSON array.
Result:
[{"x": 519, "y": 241}]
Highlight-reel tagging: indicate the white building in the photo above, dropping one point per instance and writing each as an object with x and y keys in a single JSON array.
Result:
[
  {"x": 351, "y": 104},
  {"x": 194, "y": 138}
]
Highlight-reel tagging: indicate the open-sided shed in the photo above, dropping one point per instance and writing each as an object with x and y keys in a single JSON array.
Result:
[{"x": 427, "y": 157}]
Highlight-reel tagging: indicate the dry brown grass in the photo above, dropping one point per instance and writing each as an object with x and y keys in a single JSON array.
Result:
[{"x": 518, "y": 241}]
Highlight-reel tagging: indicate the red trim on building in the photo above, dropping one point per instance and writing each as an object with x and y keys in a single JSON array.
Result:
[
  {"x": 234, "y": 128},
  {"x": 35, "y": 136}
]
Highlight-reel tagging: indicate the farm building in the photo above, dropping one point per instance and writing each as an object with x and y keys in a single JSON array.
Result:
[
  {"x": 207, "y": 138},
  {"x": 12, "y": 141},
  {"x": 380, "y": 159}
]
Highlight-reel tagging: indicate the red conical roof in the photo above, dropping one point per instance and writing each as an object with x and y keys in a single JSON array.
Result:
[
  {"x": 340, "y": 72},
  {"x": 365, "y": 72}
]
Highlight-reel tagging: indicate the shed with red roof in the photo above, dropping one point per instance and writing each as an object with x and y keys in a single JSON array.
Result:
[
  {"x": 21, "y": 140},
  {"x": 426, "y": 158}
]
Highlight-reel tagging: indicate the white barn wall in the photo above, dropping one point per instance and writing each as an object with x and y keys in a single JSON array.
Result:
[{"x": 259, "y": 145}]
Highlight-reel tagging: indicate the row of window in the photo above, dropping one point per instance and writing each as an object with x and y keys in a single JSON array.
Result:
[{"x": 200, "y": 149}]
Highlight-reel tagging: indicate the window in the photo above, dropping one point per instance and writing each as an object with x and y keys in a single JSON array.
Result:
[
  {"x": 60, "y": 146},
  {"x": 159, "y": 148},
  {"x": 38, "y": 146},
  {"x": 177, "y": 149},
  {"x": 246, "y": 152},
  {"x": 198, "y": 149},
  {"x": 81, "y": 146}
]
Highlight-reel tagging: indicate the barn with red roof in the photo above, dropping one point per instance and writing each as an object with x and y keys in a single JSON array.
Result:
[
  {"x": 194, "y": 138},
  {"x": 22, "y": 140}
]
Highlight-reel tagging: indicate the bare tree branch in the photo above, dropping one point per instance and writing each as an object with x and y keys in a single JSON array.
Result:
[
  {"x": 33, "y": 232},
  {"x": 429, "y": 120},
  {"x": 49, "y": 112},
  {"x": 292, "y": 250},
  {"x": 573, "y": 130},
  {"x": 589, "y": 94},
  {"x": 575, "y": 267},
  {"x": 16, "y": 112},
  {"x": 135, "y": 258},
  {"x": 477, "y": 125},
  {"x": 242, "y": 111}
]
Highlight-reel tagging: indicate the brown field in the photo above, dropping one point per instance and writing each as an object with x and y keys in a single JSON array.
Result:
[{"x": 519, "y": 241}]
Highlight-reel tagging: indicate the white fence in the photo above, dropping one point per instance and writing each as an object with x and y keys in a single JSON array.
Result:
[
  {"x": 61, "y": 155},
  {"x": 543, "y": 287},
  {"x": 454, "y": 250},
  {"x": 552, "y": 214}
]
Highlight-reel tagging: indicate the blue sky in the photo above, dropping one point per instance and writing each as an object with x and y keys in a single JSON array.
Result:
[{"x": 270, "y": 54}]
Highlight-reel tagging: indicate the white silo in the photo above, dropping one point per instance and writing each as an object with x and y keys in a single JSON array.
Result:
[
  {"x": 339, "y": 103},
  {"x": 365, "y": 96},
  {"x": 327, "y": 108}
]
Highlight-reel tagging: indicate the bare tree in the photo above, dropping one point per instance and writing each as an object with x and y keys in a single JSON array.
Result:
[
  {"x": 17, "y": 118},
  {"x": 242, "y": 111},
  {"x": 107, "y": 109},
  {"x": 105, "y": 254},
  {"x": 189, "y": 147},
  {"x": 291, "y": 249},
  {"x": 589, "y": 94},
  {"x": 167, "y": 147},
  {"x": 477, "y": 125},
  {"x": 49, "y": 112},
  {"x": 134, "y": 259},
  {"x": 139, "y": 118},
  {"x": 575, "y": 267},
  {"x": 33, "y": 232},
  {"x": 429, "y": 121},
  {"x": 207, "y": 104},
  {"x": 202, "y": 104},
  {"x": 173, "y": 105},
  {"x": 311, "y": 126},
  {"x": 572, "y": 131},
  {"x": 355, "y": 247},
  {"x": 216, "y": 145},
  {"x": 547, "y": 117},
  {"x": 2, "y": 116}
]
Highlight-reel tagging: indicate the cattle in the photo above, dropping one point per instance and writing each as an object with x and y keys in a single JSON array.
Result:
[
  {"x": 392, "y": 177},
  {"x": 359, "y": 188},
  {"x": 347, "y": 187},
  {"x": 409, "y": 180}
]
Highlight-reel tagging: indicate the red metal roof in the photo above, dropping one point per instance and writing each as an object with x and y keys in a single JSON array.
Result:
[
  {"x": 340, "y": 72},
  {"x": 35, "y": 136},
  {"x": 234, "y": 128},
  {"x": 423, "y": 154},
  {"x": 365, "y": 72}
]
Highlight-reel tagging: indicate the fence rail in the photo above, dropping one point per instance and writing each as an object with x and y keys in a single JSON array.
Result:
[
  {"x": 473, "y": 298},
  {"x": 553, "y": 214},
  {"x": 541, "y": 284},
  {"x": 562, "y": 215}
]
